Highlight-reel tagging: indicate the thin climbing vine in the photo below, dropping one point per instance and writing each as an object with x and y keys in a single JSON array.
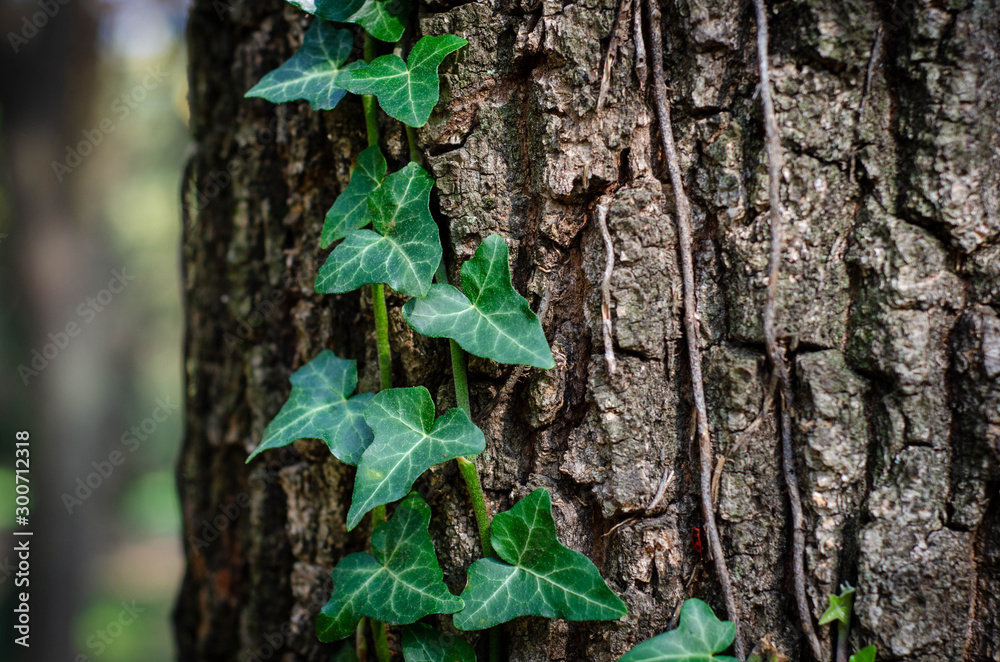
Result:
[{"x": 387, "y": 237}]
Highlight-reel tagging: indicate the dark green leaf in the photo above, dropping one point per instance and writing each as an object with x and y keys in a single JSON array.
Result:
[
  {"x": 408, "y": 91},
  {"x": 320, "y": 407},
  {"x": 544, "y": 578},
  {"x": 422, "y": 643},
  {"x": 866, "y": 654},
  {"x": 382, "y": 19},
  {"x": 698, "y": 638},
  {"x": 345, "y": 654},
  {"x": 490, "y": 319},
  {"x": 314, "y": 72},
  {"x": 403, "y": 250},
  {"x": 350, "y": 211},
  {"x": 408, "y": 441},
  {"x": 401, "y": 583}
]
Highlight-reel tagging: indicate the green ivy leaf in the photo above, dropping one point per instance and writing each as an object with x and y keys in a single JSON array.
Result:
[
  {"x": 408, "y": 441},
  {"x": 697, "y": 639},
  {"x": 400, "y": 584},
  {"x": 320, "y": 407},
  {"x": 350, "y": 211},
  {"x": 382, "y": 19},
  {"x": 422, "y": 643},
  {"x": 840, "y": 607},
  {"x": 866, "y": 654},
  {"x": 403, "y": 250},
  {"x": 544, "y": 578},
  {"x": 314, "y": 72},
  {"x": 407, "y": 91},
  {"x": 493, "y": 321}
]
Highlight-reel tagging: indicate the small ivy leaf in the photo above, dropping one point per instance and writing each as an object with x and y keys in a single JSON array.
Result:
[
  {"x": 698, "y": 638},
  {"x": 407, "y": 91},
  {"x": 350, "y": 211},
  {"x": 400, "y": 584},
  {"x": 320, "y": 407},
  {"x": 383, "y": 19},
  {"x": 493, "y": 321},
  {"x": 866, "y": 654},
  {"x": 422, "y": 643},
  {"x": 404, "y": 250},
  {"x": 544, "y": 578},
  {"x": 840, "y": 607},
  {"x": 408, "y": 441},
  {"x": 314, "y": 72}
]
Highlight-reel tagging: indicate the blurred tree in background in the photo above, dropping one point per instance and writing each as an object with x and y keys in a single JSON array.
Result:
[{"x": 90, "y": 151}]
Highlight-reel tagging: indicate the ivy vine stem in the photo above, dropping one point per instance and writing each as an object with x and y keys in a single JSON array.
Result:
[
  {"x": 381, "y": 640},
  {"x": 385, "y": 375},
  {"x": 844, "y": 629},
  {"x": 367, "y": 100},
  {"x": 379, "y": 635},
  {"x": 382, "y": 336},
  {"x": 411, "y": 139},
  {"x": 470, "y": 472},
  {"x": 467, "y": 466},
  {"x": 370, "y": 105},
  {"x": 458, "y": 363}
]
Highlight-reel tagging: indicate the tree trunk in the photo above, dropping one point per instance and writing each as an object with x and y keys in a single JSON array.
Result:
[{"x": 888, "y": 302}]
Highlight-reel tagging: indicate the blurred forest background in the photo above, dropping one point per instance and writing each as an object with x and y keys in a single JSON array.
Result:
[{"x": 93, "y": 135}]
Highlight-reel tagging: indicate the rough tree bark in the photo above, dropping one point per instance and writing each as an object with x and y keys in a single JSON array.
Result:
[{"x": 888, "y": 302}]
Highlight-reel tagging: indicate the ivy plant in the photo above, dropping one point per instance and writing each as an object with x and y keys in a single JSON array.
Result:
[
  {"x": 407, "y": 91},
  {"x": 866, "y": 654},
  {"x": 490, "y": 319},
  {"x": 385, "y": 234},
  {"x": 403, "y": 250},
  {"x": 839, "y": 611},
  {"x": 321, "y": 407},
  {"x": 699, "y": 637},
  {"x": 383, "y": 19},
  {"x": 401, "y": 583},
  {"x": 350, "y": 211},
  {"x": 408, "y": 442},
  {"x": 536, "y": 575},
  {"x": 313, "y": 73}
]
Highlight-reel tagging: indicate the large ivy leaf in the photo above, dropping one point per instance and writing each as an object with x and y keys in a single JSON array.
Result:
[
  {"x": 382, "y": 19},
  {"x": 408, "y": 91},
  {"x": 543, "y": 577},
  {"x": 400, "y": 584},
  {"x": 314, "y": 72},
  {"x": 350, "y": 211},
  {"x": 403, "y": 250},
  {"x": 321, "y": 407},
  {"x": 491, "y": 319},
  {"x": 698, "y": 638},
  {"x": 422, "y": 643},
  {"x": 408, "y": 441}
]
